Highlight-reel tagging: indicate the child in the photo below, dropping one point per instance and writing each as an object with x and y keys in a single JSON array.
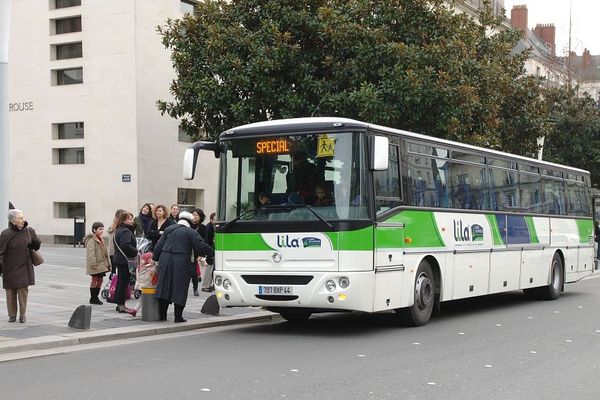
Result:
[
  {"x": 97, "y": 261},
  {"x": 323, "y": 198},
  {"x": 145, "y": 278}
]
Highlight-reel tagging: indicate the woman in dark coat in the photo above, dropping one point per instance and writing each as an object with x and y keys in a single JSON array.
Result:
[
  {"x": 173, "y": 253},
  {"x": 15, "y": 263},
  {"x": 125, "y": 247},
  {"x": 159, "y": 224},
  {"x": 197, "y": 225}
]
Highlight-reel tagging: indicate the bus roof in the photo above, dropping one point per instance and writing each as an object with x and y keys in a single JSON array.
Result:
[{"x": 316, "y": 123}]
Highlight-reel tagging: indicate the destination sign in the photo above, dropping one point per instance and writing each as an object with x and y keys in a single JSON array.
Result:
[{"x": 272, "y": 146}]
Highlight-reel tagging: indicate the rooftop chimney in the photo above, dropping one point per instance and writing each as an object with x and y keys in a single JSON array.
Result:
[
  {"x": 518, "y": 18},
  {"x": 547, "y": 34}
]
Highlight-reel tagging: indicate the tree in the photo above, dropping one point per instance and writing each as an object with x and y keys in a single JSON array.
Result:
[
  {"x": 410, "y": 64},
  {"x": 574, "y": 139}
]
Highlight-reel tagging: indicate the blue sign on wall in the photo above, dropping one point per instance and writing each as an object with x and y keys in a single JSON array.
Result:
[{"x": 126, "y": 178}]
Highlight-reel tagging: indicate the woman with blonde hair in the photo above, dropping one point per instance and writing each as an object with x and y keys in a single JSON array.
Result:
[
  {"x": 159, "y": 224},
  {"x": 16, "y": 266}
]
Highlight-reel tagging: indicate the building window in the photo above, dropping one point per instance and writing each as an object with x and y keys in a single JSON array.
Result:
[
  {"x": 188, "y": 199},
  {"x": 68, "y": 130},
  {"x": 69, "y": 210},
  {"x": 68, "y": 155},
  {"x": 67, "y": 76},
  {"x": 66, "y": 3},
  {"x": 67, "y": 25},
  {"x": 183, "y": 137},
  {"x": 187, "y": 7},
  {"x": 67, "y": 50}
]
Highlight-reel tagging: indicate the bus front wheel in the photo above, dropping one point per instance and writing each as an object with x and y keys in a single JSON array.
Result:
[
  {"x": 552, "y": 291},
  {"x": 424, "y": 298},
  {"x": 295, "y": 316}
]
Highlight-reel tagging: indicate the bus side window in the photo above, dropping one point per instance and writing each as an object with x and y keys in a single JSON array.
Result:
[{"x": 387, "y": 183}]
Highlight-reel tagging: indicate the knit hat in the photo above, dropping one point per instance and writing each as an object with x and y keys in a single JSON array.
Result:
[{"x": 185, "y": 219}]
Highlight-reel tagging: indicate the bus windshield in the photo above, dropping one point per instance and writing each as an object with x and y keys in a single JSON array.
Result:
[{"x": 307, "y": 177}]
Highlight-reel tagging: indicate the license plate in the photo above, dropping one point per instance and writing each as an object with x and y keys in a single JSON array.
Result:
[{"x": 275, "y": 290}]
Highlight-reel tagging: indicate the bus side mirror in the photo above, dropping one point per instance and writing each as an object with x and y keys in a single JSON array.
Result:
[
  {"x": 379, "y": 153},
  {"x": 190, "y": 157}
]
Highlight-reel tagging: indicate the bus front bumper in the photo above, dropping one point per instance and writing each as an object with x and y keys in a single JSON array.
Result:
[{"x": 243, "y": 289}]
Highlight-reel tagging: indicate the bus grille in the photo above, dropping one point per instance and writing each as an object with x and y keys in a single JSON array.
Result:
[
  {"x": 277, "y": 279},
  {"x": 276, "y": 298}
]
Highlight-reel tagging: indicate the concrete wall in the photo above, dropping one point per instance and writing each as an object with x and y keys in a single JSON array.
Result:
[{"x": 125, "y": 70}]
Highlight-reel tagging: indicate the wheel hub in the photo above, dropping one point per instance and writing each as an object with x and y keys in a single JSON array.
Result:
[{"x": 423, "y": 292}]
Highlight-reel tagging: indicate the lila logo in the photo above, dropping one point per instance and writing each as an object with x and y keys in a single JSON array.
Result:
[
  {"x": 467, "y": 233},
  {"x": 285, "y": 241}
]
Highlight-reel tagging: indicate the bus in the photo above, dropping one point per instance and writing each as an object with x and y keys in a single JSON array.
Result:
[{"x": 332, "y": 214}]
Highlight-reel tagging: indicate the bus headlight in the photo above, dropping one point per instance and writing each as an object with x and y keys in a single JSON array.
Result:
[
  {"x": 344, "y": 282},
  {"x": 226, "y": 284},
  {"x": 330, "y": 285},
  {"x": 218, "y": 280}
]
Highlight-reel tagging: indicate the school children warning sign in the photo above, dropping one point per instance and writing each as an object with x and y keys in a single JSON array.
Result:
[{"x": 326, "y": 146}]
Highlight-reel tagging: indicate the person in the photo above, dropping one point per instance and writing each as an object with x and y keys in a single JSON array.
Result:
[
  {"x": 173, "y": 252},
  {"x": 210, "y": 230},
  {"x": 159, "y": 224},
  {"x": 143, "y": 221},
  {"x": 144, "y": 278},
  {"x": 125, "y": 247},
  {"x": 197, "y": 224},
  {"x": 110, "y": 246},
  {"x": 322, "y": 197},
  {"x": 263, "y": 199},
  {"x": 301, "y": 177},
  {"x": 16, "y": 267},
  {"x": 97, "y": 261},
  {"x": 174, "y": 214},
  {"x": 597, "y": 238}
]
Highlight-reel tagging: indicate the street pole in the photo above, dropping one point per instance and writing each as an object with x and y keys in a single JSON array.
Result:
[{"x": 4, "y": 154}]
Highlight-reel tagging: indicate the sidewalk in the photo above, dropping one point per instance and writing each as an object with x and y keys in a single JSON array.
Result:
[{"x": 61, "y": 286}]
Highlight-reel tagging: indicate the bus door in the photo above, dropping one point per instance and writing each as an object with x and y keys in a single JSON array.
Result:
[{"x": 389, "y": 265}]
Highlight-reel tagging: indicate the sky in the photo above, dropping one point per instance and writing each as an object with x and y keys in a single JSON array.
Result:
[{"x": 585, "y": 17}]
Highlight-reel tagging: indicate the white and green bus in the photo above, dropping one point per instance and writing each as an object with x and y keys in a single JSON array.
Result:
[{"x": 333, "y": 214}]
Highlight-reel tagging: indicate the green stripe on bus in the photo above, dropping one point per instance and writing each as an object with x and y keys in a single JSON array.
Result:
[
  {"x": 361, "y": 239},
  {"x": 420, "y": 229},
  {"x": 586, "y": 229},
  {"x": 496, "y": 236},
  {"x": 240, "y": 241},
  {"x": 532, "y": 232}
]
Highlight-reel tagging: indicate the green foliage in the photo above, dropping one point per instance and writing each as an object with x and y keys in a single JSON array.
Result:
[
  {"x": 575, "y": 135},
  {"x": 410, "y": 64}
]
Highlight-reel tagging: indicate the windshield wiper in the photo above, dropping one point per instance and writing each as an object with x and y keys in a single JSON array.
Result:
[
  {"x": 312, "y": 210},
  {"x": 239, "y": 217}
]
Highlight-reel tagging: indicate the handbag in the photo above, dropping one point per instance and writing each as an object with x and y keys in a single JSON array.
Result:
[{"x": 36, "y": 256}]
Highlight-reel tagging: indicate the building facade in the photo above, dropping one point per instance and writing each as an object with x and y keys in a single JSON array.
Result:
[{"x": 85, "y": 136}]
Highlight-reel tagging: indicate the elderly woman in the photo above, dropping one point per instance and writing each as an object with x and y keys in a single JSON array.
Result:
[{"x": 16, "y": 266}]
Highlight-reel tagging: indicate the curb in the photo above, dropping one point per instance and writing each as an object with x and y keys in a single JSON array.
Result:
[{"x": 150, "y": 329}]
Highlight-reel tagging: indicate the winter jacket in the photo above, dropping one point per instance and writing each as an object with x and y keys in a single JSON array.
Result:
[
  {"x": 155, "y": 231},
  {"x": 97, "y": 261},
  {"x": 125, "y": 239},
  {"x": 173, "y": 253},
  {"x": 15, "y": 259}
]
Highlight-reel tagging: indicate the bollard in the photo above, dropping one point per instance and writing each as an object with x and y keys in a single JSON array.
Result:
[
  {"x": 150, "y": 310},
  {"x": 81, "y": 317}
]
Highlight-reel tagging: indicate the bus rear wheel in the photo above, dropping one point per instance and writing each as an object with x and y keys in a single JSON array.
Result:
[
  {"x": 424, "y": 298},
  {"x": 295, "y": 316},
  {"x": 552, "y": 291}
]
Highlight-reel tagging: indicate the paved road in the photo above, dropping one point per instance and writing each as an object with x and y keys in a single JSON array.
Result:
[{"x": 501, "y": 347}]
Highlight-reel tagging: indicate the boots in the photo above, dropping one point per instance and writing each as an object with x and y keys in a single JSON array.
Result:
[
  {"x": 94, "y": 296},
  {"x": 163, "y": 306},
  {"x": 179, "y": 313}
]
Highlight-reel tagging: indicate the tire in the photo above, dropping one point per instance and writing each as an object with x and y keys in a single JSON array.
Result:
[
  {"x": 424, "y": 298},
  {"x": 295, "y": 316},
  {"x": 104, "y": 294},
  {"x": 137, "y": 294},
  {"x": 553, "y": 290}
]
